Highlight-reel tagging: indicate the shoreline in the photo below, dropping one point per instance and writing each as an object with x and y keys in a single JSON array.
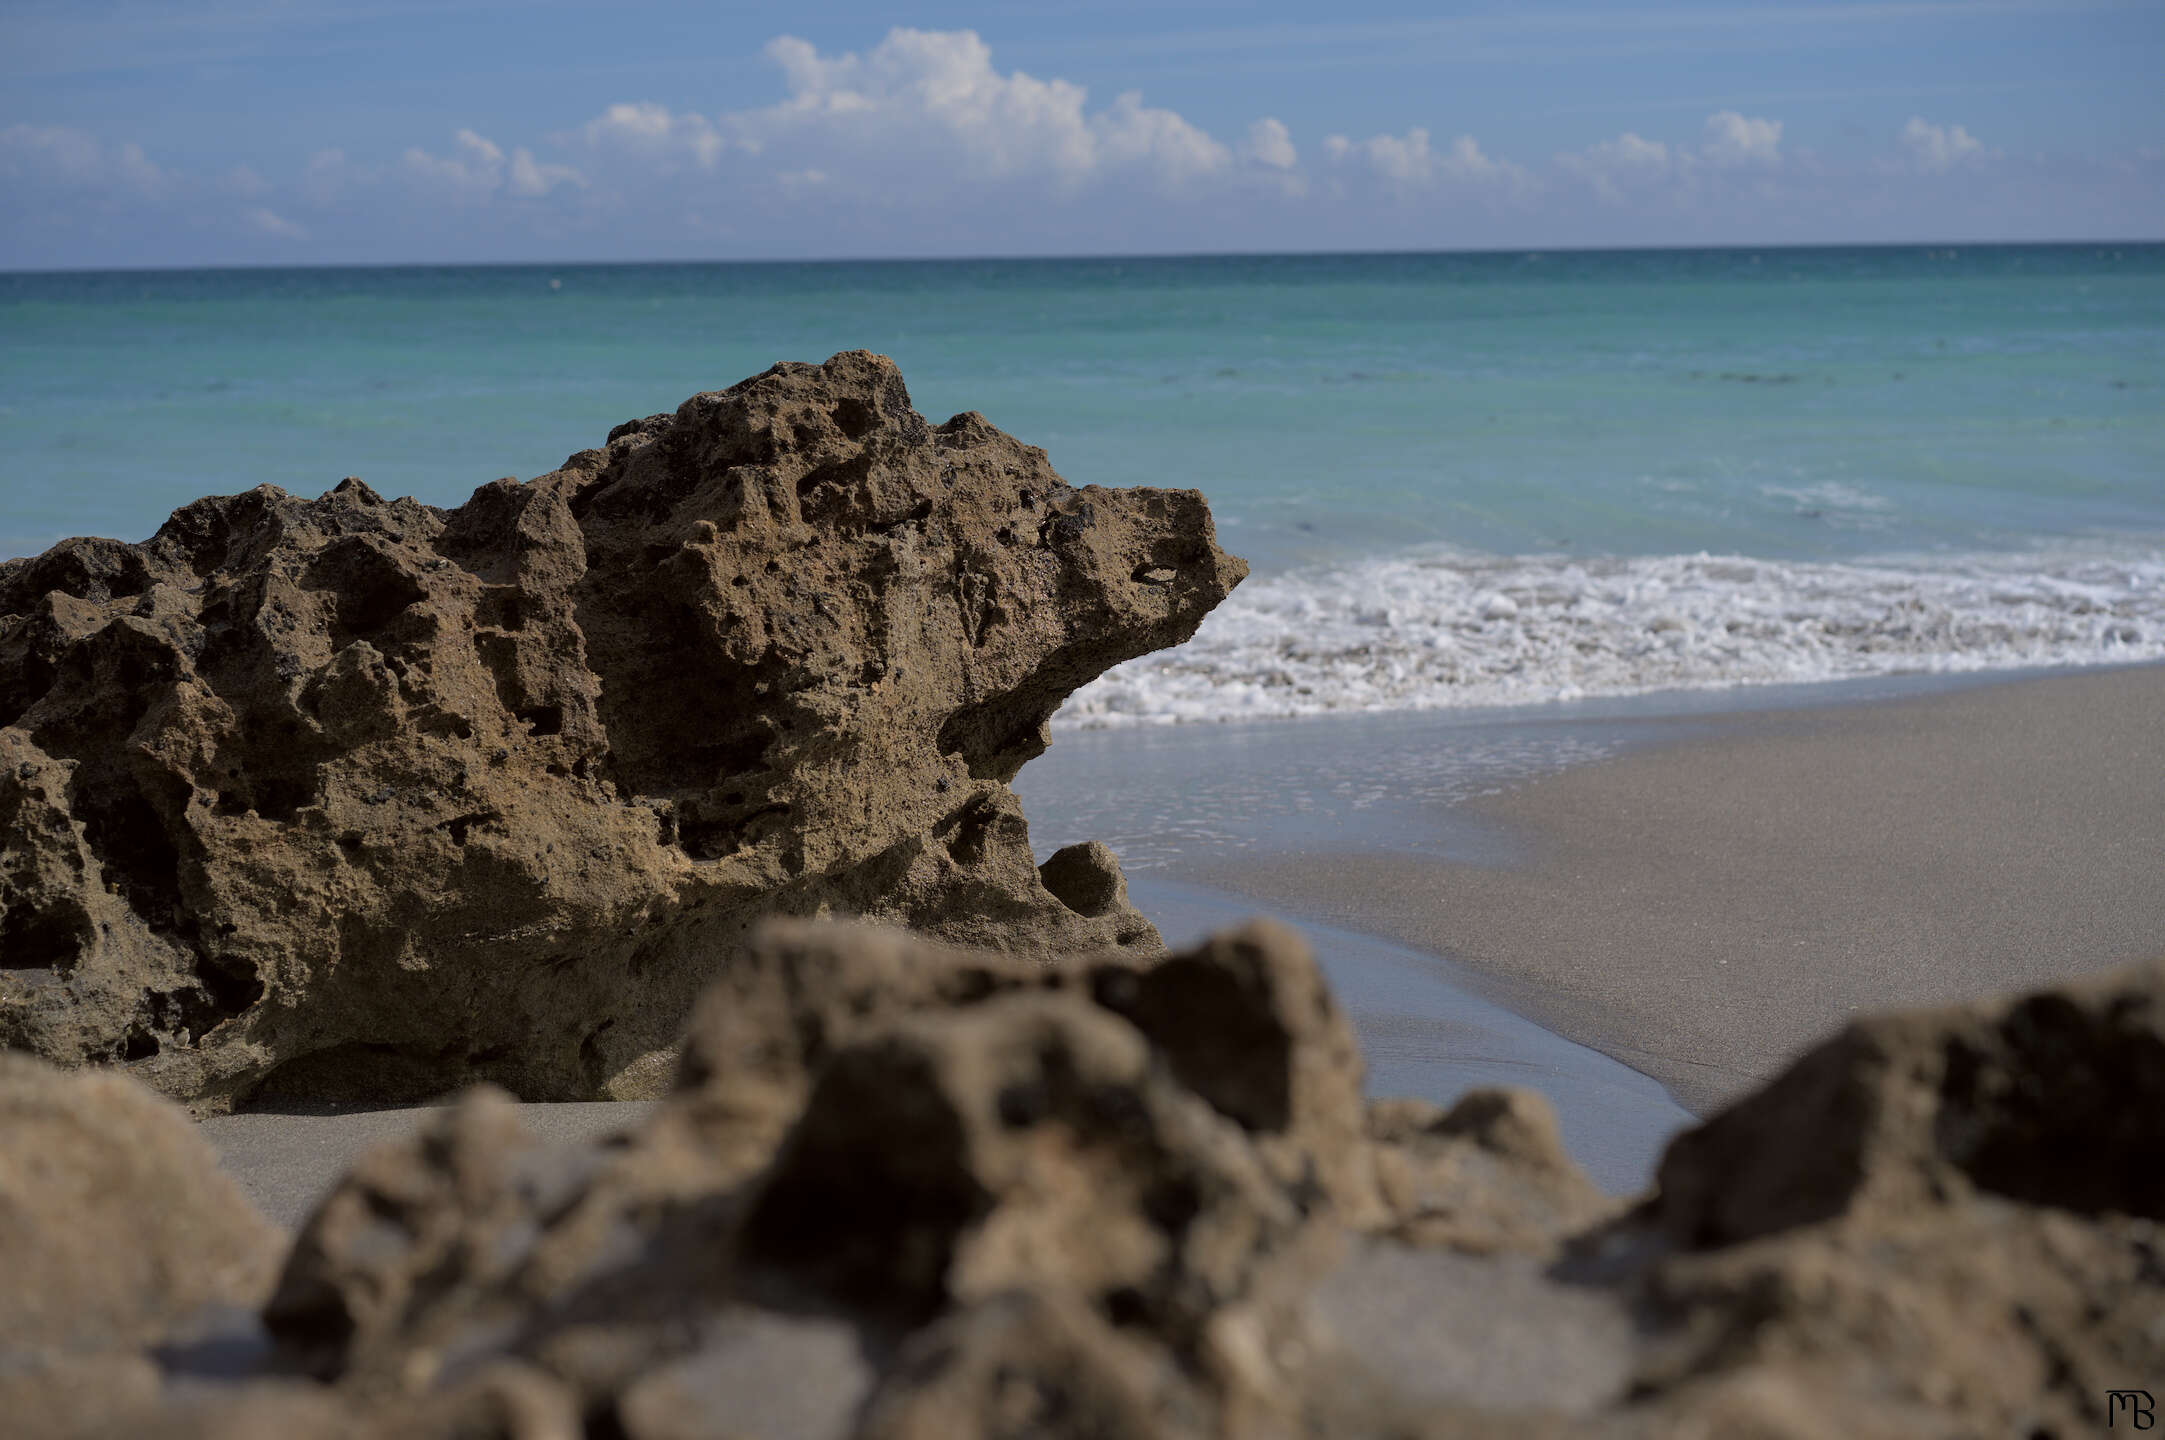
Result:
[
  {"x": 1427, "y": 1034},
  {"x": 1708, "y": 901}
]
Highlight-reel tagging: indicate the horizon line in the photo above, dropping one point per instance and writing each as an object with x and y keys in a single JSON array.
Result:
[{"x": 1115, "y": 256}]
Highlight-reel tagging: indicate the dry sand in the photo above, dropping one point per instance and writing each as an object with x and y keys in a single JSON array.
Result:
[{"x": 1702, "y": 910}]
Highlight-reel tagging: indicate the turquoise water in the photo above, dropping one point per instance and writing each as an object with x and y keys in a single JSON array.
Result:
[{"x": 1463, "y": 478}]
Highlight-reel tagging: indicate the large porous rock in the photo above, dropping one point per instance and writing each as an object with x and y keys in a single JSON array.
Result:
[
  {"x": 880, "y": 1150},
  {"x": 351, "y": 798},
  {"x": 2053, "y": 1098},
  {"x": 1028, "y": 1141},
  {"x": 799, "y": 992},
  {"x": 1941, "y": 1223}
]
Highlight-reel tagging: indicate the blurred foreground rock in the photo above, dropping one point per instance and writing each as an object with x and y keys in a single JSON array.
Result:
[
  {"x": 118, "y": 1234},
  {"x": 346, "y": 799},
  {"x": 906, "y": 1191}
]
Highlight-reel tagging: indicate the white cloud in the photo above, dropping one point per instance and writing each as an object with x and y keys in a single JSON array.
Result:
[
  {"x": 1734, "y": 140},
  {"x": 478, "y": 168},
  {"x": 1132, "y": 134},
  {"x": 1632, "y": 165},
  {"x": 650, "y": 133},
  {"x": 1270, "y": 143},
  {"x": 62, "y": 155},
  {"x": 1936, "y": 149},
  {"x": 530, "y": 180},
  {"x": 269, "y": 222},
  {"x": 477, "y": 165},
  {"x": 1410, "y": 161},
  {"x": 932, "y": 102},
  {"x": 922, "y": 143},
  {"x": 1613, "y": 167}
]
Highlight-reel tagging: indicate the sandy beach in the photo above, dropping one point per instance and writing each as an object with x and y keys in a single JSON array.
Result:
[{"x": 1704, "y": 907}]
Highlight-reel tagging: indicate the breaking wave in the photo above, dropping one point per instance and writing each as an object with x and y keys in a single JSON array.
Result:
[{"x": 1443, "y": 628}]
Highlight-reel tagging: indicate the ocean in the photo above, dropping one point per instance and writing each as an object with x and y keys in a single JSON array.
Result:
[{"x": 1462, "y": 479}]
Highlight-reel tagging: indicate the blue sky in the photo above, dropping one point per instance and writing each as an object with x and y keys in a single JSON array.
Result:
[{"x": 191, "y": 132}]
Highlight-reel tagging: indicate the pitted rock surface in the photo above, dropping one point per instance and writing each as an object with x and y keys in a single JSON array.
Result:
[
  {"x": 347, "y": 798},
  {"x": 960, "y": 1194},
  {"x": 926, "y": 1129}
]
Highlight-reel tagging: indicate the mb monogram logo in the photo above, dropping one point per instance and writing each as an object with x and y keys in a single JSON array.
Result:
[{"x": 2135, "y": 1404}]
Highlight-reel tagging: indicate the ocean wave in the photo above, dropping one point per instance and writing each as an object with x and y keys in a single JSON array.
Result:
[{"x": 1441, "y": 628}]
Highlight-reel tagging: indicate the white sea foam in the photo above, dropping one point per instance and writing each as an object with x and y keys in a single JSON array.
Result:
[{"x": 1441, "y": 628}]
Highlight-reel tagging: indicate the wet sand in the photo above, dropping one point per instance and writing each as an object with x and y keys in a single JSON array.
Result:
[
  {"x": 1426, "y": 1035},
  {"x": 1705, "y": 907}
]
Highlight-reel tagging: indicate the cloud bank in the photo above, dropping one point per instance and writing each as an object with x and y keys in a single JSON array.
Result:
[{"x": 923, "y": 144}]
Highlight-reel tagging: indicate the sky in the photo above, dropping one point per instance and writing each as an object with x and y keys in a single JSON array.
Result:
[{"x": 171, "y": 133}]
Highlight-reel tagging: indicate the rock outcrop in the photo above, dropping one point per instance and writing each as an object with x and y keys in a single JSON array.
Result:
[
  {"x": 352, "y": 799},
  {"x": 1940, "y": 1223},
  {"x": 955, "y": 1194}
]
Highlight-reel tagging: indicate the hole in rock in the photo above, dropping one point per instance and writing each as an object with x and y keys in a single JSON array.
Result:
[
  {"x": 542, "y": 719},
  {"x": 370, "y": 590},
  {"x": 139, "y": 857},
  {"x": 1172, "y": 1205},
  {"x": 500, "y": 608},
  {"x": 967, "y": 832},
  {"x": 591, "y": 1059},
  {"x": 278, "y": 797},
  {"x": 1127, "y": 1306},
  {"x": 232, "y": 982},
  {"x": 43, "y": 939},
  {"x": 718, "y": 837},
  {"x": 188, "y": 1013},
  {"x": 854, "y": 418}
]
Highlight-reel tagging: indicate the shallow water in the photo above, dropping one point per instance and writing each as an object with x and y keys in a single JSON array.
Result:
[
  {"x": 1171, "y": 798},
  {"x": 1427, "y": 1037},
  {"x": 1175, "y": 802}
]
